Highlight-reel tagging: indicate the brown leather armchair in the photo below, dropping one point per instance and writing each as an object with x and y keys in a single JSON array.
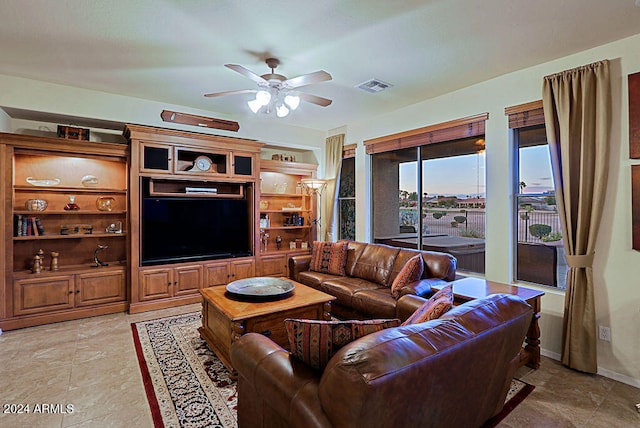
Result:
[{"x": 450, "y": 372}]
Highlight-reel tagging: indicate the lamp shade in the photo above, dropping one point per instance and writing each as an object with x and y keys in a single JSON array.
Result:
[
  {"x": 293, "y": 101},
  {"x": 282, "y": 110},
  {"x": 254, "y": 105},
  {"x": 263, "y": 97},
  {"x": 314, "y": 184}
]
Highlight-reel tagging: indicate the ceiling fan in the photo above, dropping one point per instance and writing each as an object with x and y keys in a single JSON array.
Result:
[{"x": 275, "y": 91}]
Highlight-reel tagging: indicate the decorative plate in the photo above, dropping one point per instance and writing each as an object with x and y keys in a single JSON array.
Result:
[
  {"x": 89, "y": 181},
  {"x": 43, "y": 182},
  {"x": 260, "y": 287}
]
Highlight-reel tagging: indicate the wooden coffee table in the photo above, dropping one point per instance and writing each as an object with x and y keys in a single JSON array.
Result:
[
  {"x": 468, "y": 289},
  {"x": 225, "y": 318}
]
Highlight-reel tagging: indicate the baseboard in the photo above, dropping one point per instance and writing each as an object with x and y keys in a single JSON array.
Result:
[
  {"x": 601, "y": 371},
  {"x": 619, "y": 377}
]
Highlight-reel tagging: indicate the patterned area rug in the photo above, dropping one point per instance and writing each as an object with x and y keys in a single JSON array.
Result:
[{"x": 187, "y": 386}]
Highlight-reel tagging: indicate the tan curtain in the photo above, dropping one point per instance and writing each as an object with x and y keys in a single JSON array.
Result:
[
  {"x": 332, "y": 164},
  {"x": 577, "y": 111}
]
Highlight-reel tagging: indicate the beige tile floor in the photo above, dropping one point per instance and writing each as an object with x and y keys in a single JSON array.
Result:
[{"x": 91, "y": 365}]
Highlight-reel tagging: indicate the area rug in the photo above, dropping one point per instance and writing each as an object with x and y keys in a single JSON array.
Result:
[{"x": 187, "y": 385}]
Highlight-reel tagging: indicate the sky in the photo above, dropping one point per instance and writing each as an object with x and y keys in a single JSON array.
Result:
[{"x": 465, "y": 175}]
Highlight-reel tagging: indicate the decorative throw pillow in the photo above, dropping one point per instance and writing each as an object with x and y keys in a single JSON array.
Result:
[
  {"x": 410, "y": 272},
  {"x": 314, "y": 342},
  {"x": 433, "y": 308},
  {"x": 329, "y": 257}
]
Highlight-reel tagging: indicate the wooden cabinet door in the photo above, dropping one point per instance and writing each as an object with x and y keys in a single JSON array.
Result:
[
  {"x": 216, "y": 274},
  {"x": 100, "y": 287},
  {"x": 156, "y": 158},
  {"x": 36, "y": 295},
  {"x": 242, "y": 164},
  {"x": 242, "y": 269},
  {"x": 275, "y": 265},
  {"x": 187, "y": 280},
  {"x": 155, "y": 283}
]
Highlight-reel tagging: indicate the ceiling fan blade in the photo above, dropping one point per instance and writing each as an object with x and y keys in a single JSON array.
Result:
[
  {"x": 239, "y": 91},
  {"x": 315, "y": 99},
  {"x": 247, "y": 73},
  {"x": 308, "y": 79}
]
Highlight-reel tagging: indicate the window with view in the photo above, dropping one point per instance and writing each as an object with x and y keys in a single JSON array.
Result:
[
  {"x": 438, "y": 189},
  {"x": 540, "y": 256},
  {"x": 347, "y": 200}
]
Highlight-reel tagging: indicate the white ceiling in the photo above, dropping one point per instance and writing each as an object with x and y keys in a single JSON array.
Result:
[{"x": 174, "y": 51}]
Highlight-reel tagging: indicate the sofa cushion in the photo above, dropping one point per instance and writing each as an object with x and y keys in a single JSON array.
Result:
[
  {"x": 433, "y": 308},
  {"x": 329, "y": 257},
  {"x": 344, "y": 288},
  {"x": 315, "y": 279},
  {"x": 411, "y": 272},
  {"x": 375, "y": 263},
  {"x": 375, "y": 303},
  {"x": 315, "y": 342},
  {"x": 353, "y": 254},
  {"x": 401, "y": 259}
]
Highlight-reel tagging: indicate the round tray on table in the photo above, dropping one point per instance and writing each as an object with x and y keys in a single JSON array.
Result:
[{"x": 260, "y": 288}]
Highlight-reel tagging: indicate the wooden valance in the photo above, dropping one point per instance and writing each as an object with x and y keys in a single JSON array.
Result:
[
  {"x": 349, "y": 151},
  {"x": 523, "y": 115},
  {"x": 471, "y": 126}
]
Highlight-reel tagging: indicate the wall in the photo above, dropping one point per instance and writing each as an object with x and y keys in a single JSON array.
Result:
[{"x": 616, "y": 264}]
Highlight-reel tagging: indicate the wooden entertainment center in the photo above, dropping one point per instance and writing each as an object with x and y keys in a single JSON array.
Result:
[{"x": 108, "y": 182}]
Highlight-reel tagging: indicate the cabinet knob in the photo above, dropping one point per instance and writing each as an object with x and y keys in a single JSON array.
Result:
[
  {"x": 77, "y": 291},
  {"x": 70, "y": 291},
  {"x": 175, "y": 282}
]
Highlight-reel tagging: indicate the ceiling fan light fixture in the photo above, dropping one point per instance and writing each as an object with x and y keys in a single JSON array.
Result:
[
  {"x": 293, "y": 101},
  {"x": 282, "y": 110},
  {"x": 263, "y": 97},
  {"x": 254, "y": 105}
]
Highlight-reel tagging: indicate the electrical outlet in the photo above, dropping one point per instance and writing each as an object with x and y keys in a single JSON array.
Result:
[{"x": 604, "y": 333}]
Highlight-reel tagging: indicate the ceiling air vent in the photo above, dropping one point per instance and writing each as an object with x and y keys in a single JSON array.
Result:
[{"x": 374, "y": 85}]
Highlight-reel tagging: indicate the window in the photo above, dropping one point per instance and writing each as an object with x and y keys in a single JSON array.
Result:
[
  {"x": 347, "y": 200},
  {"x": 438, "y": 189},
  {"x": 539, "y": 246}
]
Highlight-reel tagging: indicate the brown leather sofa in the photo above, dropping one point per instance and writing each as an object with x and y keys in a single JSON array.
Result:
[
  {"x": 451, "y": 372},
  {"x": 365, "y": 291}
]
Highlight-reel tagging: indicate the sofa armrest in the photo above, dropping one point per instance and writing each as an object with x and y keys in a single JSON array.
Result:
[
  {"x": 298, "y": 264},
  {"x": 407, "y": 305},
  {"x": 274, "y": 387},
  {"x": 421, "y": 288}
]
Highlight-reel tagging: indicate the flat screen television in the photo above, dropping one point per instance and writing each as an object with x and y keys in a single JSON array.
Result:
[{"x": 179, "y": 229}]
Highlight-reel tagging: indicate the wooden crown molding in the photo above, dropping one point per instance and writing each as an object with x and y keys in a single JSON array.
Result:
[{"x": 201, "y": 121}]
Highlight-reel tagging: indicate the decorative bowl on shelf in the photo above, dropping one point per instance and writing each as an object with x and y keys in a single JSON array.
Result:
[
  {"x": 105, "y": 203},
  {"x": 89, "y": 181},
  {"x": 264, "y": 205},
  {"x": 36, "y": 205},
  {"x": 45, "y": 182}
]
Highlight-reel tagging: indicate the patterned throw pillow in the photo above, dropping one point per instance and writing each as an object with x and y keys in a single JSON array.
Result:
[
  {"x": 433, "y": 308},
  {"x": 329, "y": 257},
  {"x": 315, "y": 342},
  {"x": 410, "y": 272}
]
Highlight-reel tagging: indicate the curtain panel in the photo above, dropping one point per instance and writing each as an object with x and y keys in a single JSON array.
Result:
[
  {"x": 577, "y": 113},
  {"x": 332, "y": 164}
]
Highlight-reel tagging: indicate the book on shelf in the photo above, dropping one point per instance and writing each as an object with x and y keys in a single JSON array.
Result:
[{"x": 27, "y": 226}]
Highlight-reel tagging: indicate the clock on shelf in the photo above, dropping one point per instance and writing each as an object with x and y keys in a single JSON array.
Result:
[{"x": 202, "y": 164}]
